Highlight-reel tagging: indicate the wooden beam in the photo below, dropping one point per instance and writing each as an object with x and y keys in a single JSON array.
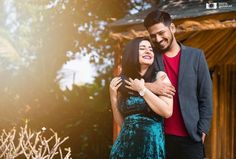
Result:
[{"x": 185, "y": 27}]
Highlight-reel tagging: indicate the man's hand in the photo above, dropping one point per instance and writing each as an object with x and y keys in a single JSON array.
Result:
[
  {"x": 203, "y": 137},
  {"x": 161, "y": 88}
]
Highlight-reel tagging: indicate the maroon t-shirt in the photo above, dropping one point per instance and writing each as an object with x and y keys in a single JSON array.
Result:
[{"x": 175, "y": 124}]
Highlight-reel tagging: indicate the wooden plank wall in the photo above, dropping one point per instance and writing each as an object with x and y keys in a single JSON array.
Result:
[{"x": 221, "y": 140}]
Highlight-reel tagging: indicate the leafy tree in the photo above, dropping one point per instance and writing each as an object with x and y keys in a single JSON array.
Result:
[{"x": 35, "y": 37}]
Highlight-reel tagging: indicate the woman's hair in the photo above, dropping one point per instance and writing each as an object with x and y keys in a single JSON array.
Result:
[
  {"x": 157, "y": 16},
  {"x": 130, "y": 61},
  {"x": 131, "y": 66}
]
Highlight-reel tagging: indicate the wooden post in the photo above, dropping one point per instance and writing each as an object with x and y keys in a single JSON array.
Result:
[
  {"x": 117, "y": 70},
  {"x": 223, "y": 129}
]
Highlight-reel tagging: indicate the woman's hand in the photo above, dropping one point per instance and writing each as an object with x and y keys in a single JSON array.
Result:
[
  {"x": 113, "y": 88},
  {"x": 114, "y": 85},
  {"x": 135, "y": 85}
]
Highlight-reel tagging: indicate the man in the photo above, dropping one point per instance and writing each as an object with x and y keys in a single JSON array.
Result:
[{"x": 187, "y": 69}]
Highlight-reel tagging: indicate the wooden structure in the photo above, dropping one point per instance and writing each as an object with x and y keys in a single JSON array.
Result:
[{"x": 213, "y": 31}]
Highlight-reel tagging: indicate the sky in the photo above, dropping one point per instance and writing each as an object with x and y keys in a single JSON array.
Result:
[{"x": 76, "y": 71}]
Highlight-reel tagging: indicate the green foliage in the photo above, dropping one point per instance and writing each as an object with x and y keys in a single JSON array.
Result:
[{"x": 46, "y": 31}]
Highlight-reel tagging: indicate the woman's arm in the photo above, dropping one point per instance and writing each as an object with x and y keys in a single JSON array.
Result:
[
  {"x": 159, "y": 104},
  {"x": 114, "y": 85}
]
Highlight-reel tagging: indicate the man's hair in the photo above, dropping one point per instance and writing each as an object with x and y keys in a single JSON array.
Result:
[{"x": 157, "y": 16}]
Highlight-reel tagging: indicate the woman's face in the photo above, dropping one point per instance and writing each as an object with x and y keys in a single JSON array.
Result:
[{"x": 146, "y": 55}]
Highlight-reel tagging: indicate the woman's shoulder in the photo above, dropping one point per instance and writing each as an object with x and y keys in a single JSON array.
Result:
[{"x": 162, "y": 73}]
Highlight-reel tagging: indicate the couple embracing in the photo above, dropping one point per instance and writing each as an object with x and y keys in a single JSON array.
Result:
[{"x": 163, "y": 98}]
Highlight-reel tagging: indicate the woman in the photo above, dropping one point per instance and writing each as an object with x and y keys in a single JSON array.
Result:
[{"x": 136, "y": 109}]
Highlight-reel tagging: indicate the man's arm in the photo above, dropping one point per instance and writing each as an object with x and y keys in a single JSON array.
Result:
[
  {"x": 204, "y": 96},
  {"x": 161, "y": 88}
]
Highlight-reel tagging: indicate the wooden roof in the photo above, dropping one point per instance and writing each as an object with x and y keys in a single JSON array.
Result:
[
  {"x": 182, "y": 9},
  {"x": 213, "y": 31}
]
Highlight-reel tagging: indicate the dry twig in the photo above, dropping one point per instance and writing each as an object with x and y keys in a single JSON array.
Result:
[{"x": 32, "y": 145}]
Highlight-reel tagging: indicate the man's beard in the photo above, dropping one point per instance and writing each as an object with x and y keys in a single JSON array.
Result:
[{"x": 164, "y": 49}]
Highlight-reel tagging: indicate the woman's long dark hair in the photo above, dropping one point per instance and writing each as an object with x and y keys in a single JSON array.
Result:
[{"x": 131, "y": 65}]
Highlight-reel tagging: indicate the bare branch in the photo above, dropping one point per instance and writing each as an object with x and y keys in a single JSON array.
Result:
[{"x": 32, "y": 145}]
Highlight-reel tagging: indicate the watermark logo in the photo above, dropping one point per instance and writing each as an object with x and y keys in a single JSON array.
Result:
[
  {"x": 224, "y": 5},
  {"x": 219, "y": 5},
  {"x": 211, "y": 5}
]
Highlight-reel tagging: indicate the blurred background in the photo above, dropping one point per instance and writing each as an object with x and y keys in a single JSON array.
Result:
[
  {"x": 58, "y": 56},
  {"x": 56, "y": 61}
]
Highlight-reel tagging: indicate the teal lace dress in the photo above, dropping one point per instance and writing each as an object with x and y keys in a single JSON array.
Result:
[{"x": 141, "y": 135}]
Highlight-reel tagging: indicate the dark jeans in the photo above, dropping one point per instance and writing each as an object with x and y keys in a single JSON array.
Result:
[{"x": 183, "y": 148}]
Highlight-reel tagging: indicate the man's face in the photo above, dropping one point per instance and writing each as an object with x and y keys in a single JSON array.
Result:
[{"x": 162, "y": 36}]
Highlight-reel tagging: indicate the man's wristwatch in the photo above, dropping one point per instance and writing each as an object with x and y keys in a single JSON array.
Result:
[{"x": 142, "y": 91}]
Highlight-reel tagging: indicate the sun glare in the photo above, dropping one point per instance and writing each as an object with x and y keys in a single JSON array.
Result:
[{"x": 77, "y": 71}]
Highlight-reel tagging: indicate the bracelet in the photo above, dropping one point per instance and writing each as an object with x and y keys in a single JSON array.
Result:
[{"x": 142, "y": 92}]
